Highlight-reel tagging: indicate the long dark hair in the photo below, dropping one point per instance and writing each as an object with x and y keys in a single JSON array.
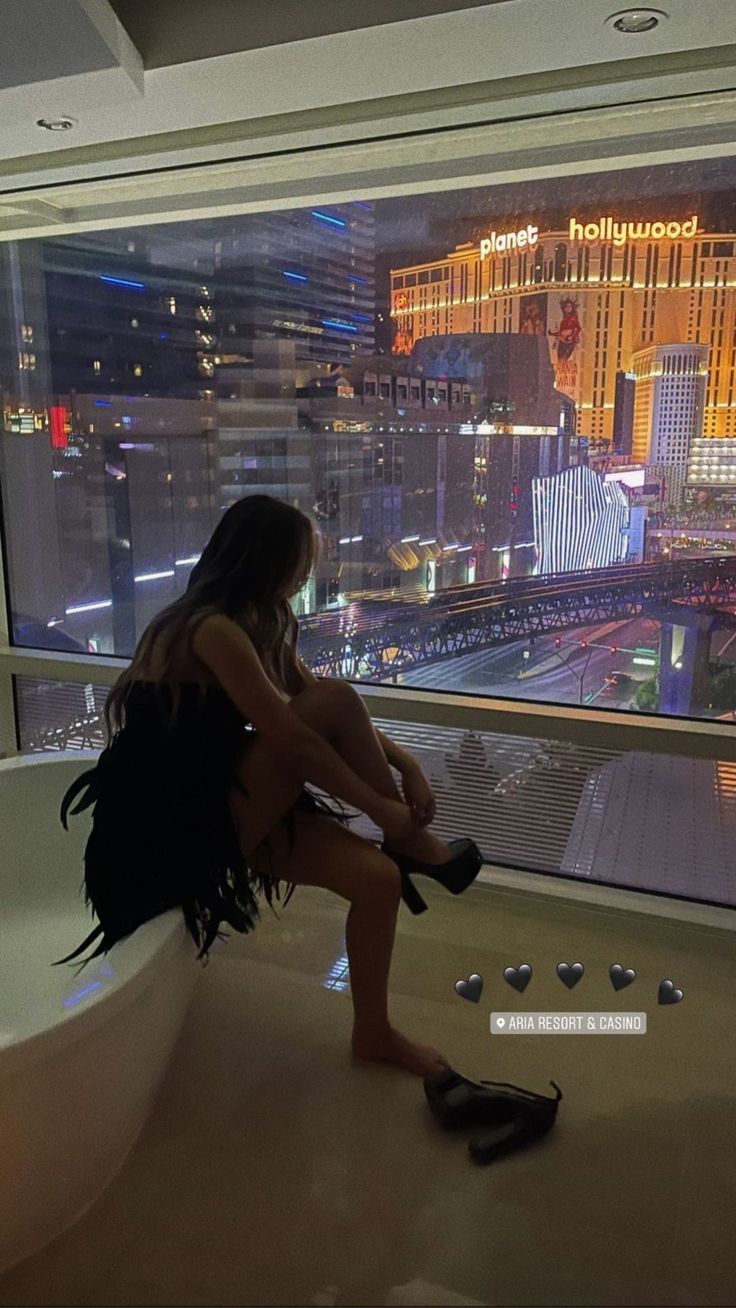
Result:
[{"x": 261, "y": 552}]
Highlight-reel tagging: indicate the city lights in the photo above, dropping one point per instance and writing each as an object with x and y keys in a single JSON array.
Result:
[
  {"x": 123, "y": 281},
  {"x": 520, "y": 434},
  {"x": 328, "y": 218},
  {"x": 582, "y": 286}
]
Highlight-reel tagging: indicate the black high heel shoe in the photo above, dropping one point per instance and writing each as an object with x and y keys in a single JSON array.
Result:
[
  {"x": 514, "y": 1117},
  {"x": 455, "y": 875},
  {"x": 532, "y": 1117}
]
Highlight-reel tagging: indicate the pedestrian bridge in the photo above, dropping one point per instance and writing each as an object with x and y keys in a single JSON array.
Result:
[{"x": 371, "y": 639}]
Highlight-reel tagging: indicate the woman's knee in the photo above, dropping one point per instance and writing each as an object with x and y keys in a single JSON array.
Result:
[
  {"x": 328, "y": 705},
  {"x": 377, "y": 882},
  {"x": 332, "y": 689}
]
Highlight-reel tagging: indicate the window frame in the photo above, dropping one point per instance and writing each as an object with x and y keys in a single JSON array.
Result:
[{"x": 559, "y": 143}]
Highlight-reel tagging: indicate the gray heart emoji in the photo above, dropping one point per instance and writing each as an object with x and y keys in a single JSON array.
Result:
[
  {"x": 570, "y": 973},
  {"x": 518, "y": 977},
  {"x": 621, "y": 979},
  {"x": 470, "y": 989},
  {"x": 668, "y": 994}
]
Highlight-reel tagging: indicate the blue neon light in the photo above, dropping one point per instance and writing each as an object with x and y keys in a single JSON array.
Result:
[
  {"x": 123, "y": 281},
  {"x": 81, "y": 994},
  {"x": 341, "y": 326},
  {"x": 103, "y": 404},
  {"x": 353, "y": 278},
  {"x": 294, "y": 277},
  {"x": 328, "y": 218},
  {"x": 364, "y": 317},
  {"x": 362, "y": 205},
  {"x": 164, "y": 336}
]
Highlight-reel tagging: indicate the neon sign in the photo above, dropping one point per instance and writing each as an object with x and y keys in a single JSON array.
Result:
[
  {"x": 499, "y": 242},
  {"x": 608, "y": 229},
  {"x": 605, "y": 228}
]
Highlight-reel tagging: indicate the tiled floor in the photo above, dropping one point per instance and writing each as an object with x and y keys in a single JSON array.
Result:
[{"x": 276, "y": 1171}]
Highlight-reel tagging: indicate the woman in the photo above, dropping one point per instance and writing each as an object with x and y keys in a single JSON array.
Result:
[
  {"x": 214, "y": 727},
  {"x": 569, "y": 331}
]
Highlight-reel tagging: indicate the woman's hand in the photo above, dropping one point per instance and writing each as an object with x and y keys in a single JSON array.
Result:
[
  {"x": 418, "y": 794},
  {"x": 394, "y": 818}
]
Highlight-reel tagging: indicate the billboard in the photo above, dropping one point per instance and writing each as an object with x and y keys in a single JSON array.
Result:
[
  {"x": 533, "y": 315},
  {"x": 640, "y": 484},
  {"x": 565, "y": 334},
  {"x": 633, "y": 478}
]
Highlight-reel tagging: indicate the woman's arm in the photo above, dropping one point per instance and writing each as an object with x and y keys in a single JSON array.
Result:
[{"x": 230, "y": 654}]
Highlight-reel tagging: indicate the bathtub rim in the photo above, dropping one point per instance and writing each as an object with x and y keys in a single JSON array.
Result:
[{"x": 136, "y": 957}]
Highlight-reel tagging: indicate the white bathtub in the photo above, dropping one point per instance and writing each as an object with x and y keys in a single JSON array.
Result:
[{"x": 81, "y": 1057}]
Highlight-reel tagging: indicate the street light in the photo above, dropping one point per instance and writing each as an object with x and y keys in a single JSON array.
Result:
[{"x": 583, "y": 644}]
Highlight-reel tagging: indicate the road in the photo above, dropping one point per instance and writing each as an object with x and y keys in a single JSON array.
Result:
[{"x": 549, "y": 676}]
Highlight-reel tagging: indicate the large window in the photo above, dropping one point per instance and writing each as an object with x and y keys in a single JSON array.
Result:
[{"x": 510, "y": 410}]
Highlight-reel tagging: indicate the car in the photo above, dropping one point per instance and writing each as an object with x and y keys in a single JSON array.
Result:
[{"x": 619, "y": 679}]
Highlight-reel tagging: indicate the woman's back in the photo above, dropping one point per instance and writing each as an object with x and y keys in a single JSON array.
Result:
[{"x": 182, "y": 665}]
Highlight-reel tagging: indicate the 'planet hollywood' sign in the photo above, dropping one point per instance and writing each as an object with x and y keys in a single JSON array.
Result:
[{"x": 606, "y": 228}]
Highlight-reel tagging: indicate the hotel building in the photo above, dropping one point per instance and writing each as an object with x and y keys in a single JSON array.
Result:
[
  {"x": 424, "y": 463},
  {"x": 304, "y": 275},
  {"x": 669, "y": 400},
  {"x": 597, "y": 293},
  {"x": 711, "y": 473}
]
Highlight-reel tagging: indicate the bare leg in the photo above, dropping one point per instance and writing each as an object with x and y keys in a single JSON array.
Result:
[
  {"x": 336, "y": 711},
  {"x": 327, "y": 854}
]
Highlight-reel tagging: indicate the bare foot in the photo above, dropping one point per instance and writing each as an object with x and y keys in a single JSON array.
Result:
[
  {"x": 393, "y": 1047},
  {"x": 422, "y": 845}
]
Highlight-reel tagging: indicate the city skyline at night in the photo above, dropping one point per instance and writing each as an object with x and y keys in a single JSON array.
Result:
[{"x": 419, "y": 375}]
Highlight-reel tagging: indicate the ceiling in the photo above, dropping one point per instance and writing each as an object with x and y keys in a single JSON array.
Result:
[
  {"x": 154, "y": 84},
  {"x": 23, "y": 61},
  {"x": 174, "y": 32}
]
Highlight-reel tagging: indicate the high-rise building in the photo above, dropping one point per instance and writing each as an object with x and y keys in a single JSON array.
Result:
[
  {"x": 305, "y": 275},
  {"x": 668, "y": 402},
  {"x": 711, "y": 474},
  {"x": 595, "y": 292},
  {"x": 623, "y": 412},
  {"x": 120, "y": 320},
  {"x": 425, "y": 462},
  {"x": 581, "y": 521},
  {"x": 294, "y": 295},
  {"x": 121, "y": 453},
  {"x": 393, "y": 476},
  {"x": 521, "y": 431},
  {"x": 136, "y": 498},
  {"x": 261, "y": 446}
]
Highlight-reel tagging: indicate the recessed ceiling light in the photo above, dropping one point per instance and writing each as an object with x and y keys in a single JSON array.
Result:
[
  {"x": 633, "y": 22},
  {"x": 56, "y": 124}
]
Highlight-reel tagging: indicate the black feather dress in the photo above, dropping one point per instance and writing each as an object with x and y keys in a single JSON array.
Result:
[{"x": 162, "y": 831}]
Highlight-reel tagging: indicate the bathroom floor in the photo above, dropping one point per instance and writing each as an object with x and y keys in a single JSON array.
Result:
[{"x": 275, "y": 1170}]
